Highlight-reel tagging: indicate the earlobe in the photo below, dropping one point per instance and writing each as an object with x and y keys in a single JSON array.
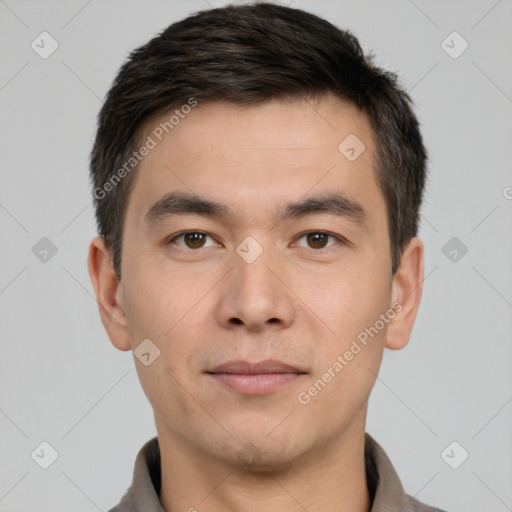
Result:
[
  {"x": 108, "y": 292},
  {"x": 407, "y": 289}
]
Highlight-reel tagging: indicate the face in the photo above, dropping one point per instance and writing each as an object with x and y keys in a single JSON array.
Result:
[{"x": 255, "y": 255}]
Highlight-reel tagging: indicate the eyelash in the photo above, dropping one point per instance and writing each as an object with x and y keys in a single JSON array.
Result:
[{"x": 338, "y": 238}]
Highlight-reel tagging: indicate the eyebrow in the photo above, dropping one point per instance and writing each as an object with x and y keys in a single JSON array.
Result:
[{"x": 182, "y": 203}]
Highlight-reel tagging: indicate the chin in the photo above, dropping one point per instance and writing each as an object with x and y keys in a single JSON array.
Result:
[{"x": 261, "y": 450}]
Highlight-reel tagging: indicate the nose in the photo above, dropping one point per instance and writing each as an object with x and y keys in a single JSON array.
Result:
[{"x": 255, "y": 296}]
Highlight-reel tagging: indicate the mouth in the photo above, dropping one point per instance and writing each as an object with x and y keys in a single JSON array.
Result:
[{"x": 259, "y": 378}]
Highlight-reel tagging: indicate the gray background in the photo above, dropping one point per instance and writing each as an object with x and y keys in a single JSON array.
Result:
[{"x": 61, "y": 381}]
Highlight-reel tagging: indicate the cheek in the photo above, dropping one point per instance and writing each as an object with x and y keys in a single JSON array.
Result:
[
  {"x": 143, "y": 316},
  {"x": 171, "y": 310},
  {"x": 157, "y": 309},
  {"x": 157, "y": 302},
  {"x": 344, "y": 302},
  {"x": 349, "y": 361},
  {"x": 166, "y": 390}
]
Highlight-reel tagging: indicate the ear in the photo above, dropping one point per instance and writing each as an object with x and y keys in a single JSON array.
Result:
[
  {"x": 407, "y": 289},
  {"x": 108, "y": 290}
]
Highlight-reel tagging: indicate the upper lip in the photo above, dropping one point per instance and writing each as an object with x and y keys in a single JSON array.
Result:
[{"x": 244, "y": 367}]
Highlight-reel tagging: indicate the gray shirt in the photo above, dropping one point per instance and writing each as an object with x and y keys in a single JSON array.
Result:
[{"x": 384, "y": 486}]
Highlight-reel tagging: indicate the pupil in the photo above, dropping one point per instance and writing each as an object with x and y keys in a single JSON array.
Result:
[
  {"x": 317, "y": 238},
  {"x": 195, "y": 239}
]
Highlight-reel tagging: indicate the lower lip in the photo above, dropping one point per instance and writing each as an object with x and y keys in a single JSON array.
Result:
[{"x": 255, "y": 384}]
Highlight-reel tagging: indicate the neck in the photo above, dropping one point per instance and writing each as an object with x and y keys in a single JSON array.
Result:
[{"x": 330, "y": 478}]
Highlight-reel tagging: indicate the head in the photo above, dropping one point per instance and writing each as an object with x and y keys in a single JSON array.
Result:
[{"x": 257, "y": 183}]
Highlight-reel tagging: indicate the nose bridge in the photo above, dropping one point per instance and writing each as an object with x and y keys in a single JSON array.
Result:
[
  {"x": 252, "y": 269},
  {"x": 255, "y": 296}
]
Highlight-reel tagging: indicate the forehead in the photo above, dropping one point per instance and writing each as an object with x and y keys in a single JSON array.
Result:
[{"x": 257, "y": 156}]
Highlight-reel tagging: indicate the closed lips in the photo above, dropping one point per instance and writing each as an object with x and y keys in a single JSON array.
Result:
[{"x": 262, "y": 367}]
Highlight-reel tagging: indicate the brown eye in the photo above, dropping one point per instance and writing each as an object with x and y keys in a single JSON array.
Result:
[
  {"x": 190, "y": 240},
  {"x": 194, "y": 240},
  {"x": 317, "y": 240}
]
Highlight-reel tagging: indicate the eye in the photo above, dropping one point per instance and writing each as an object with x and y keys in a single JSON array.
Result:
[
  {"x": 319, "y": 239},
  {"x": 191, "y": 239}
]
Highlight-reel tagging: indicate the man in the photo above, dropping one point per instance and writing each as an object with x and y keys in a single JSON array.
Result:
[{"x": 257, "y": 183}]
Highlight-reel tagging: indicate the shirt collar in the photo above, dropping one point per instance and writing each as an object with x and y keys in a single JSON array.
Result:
[{"x": 386, "y": 491}]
